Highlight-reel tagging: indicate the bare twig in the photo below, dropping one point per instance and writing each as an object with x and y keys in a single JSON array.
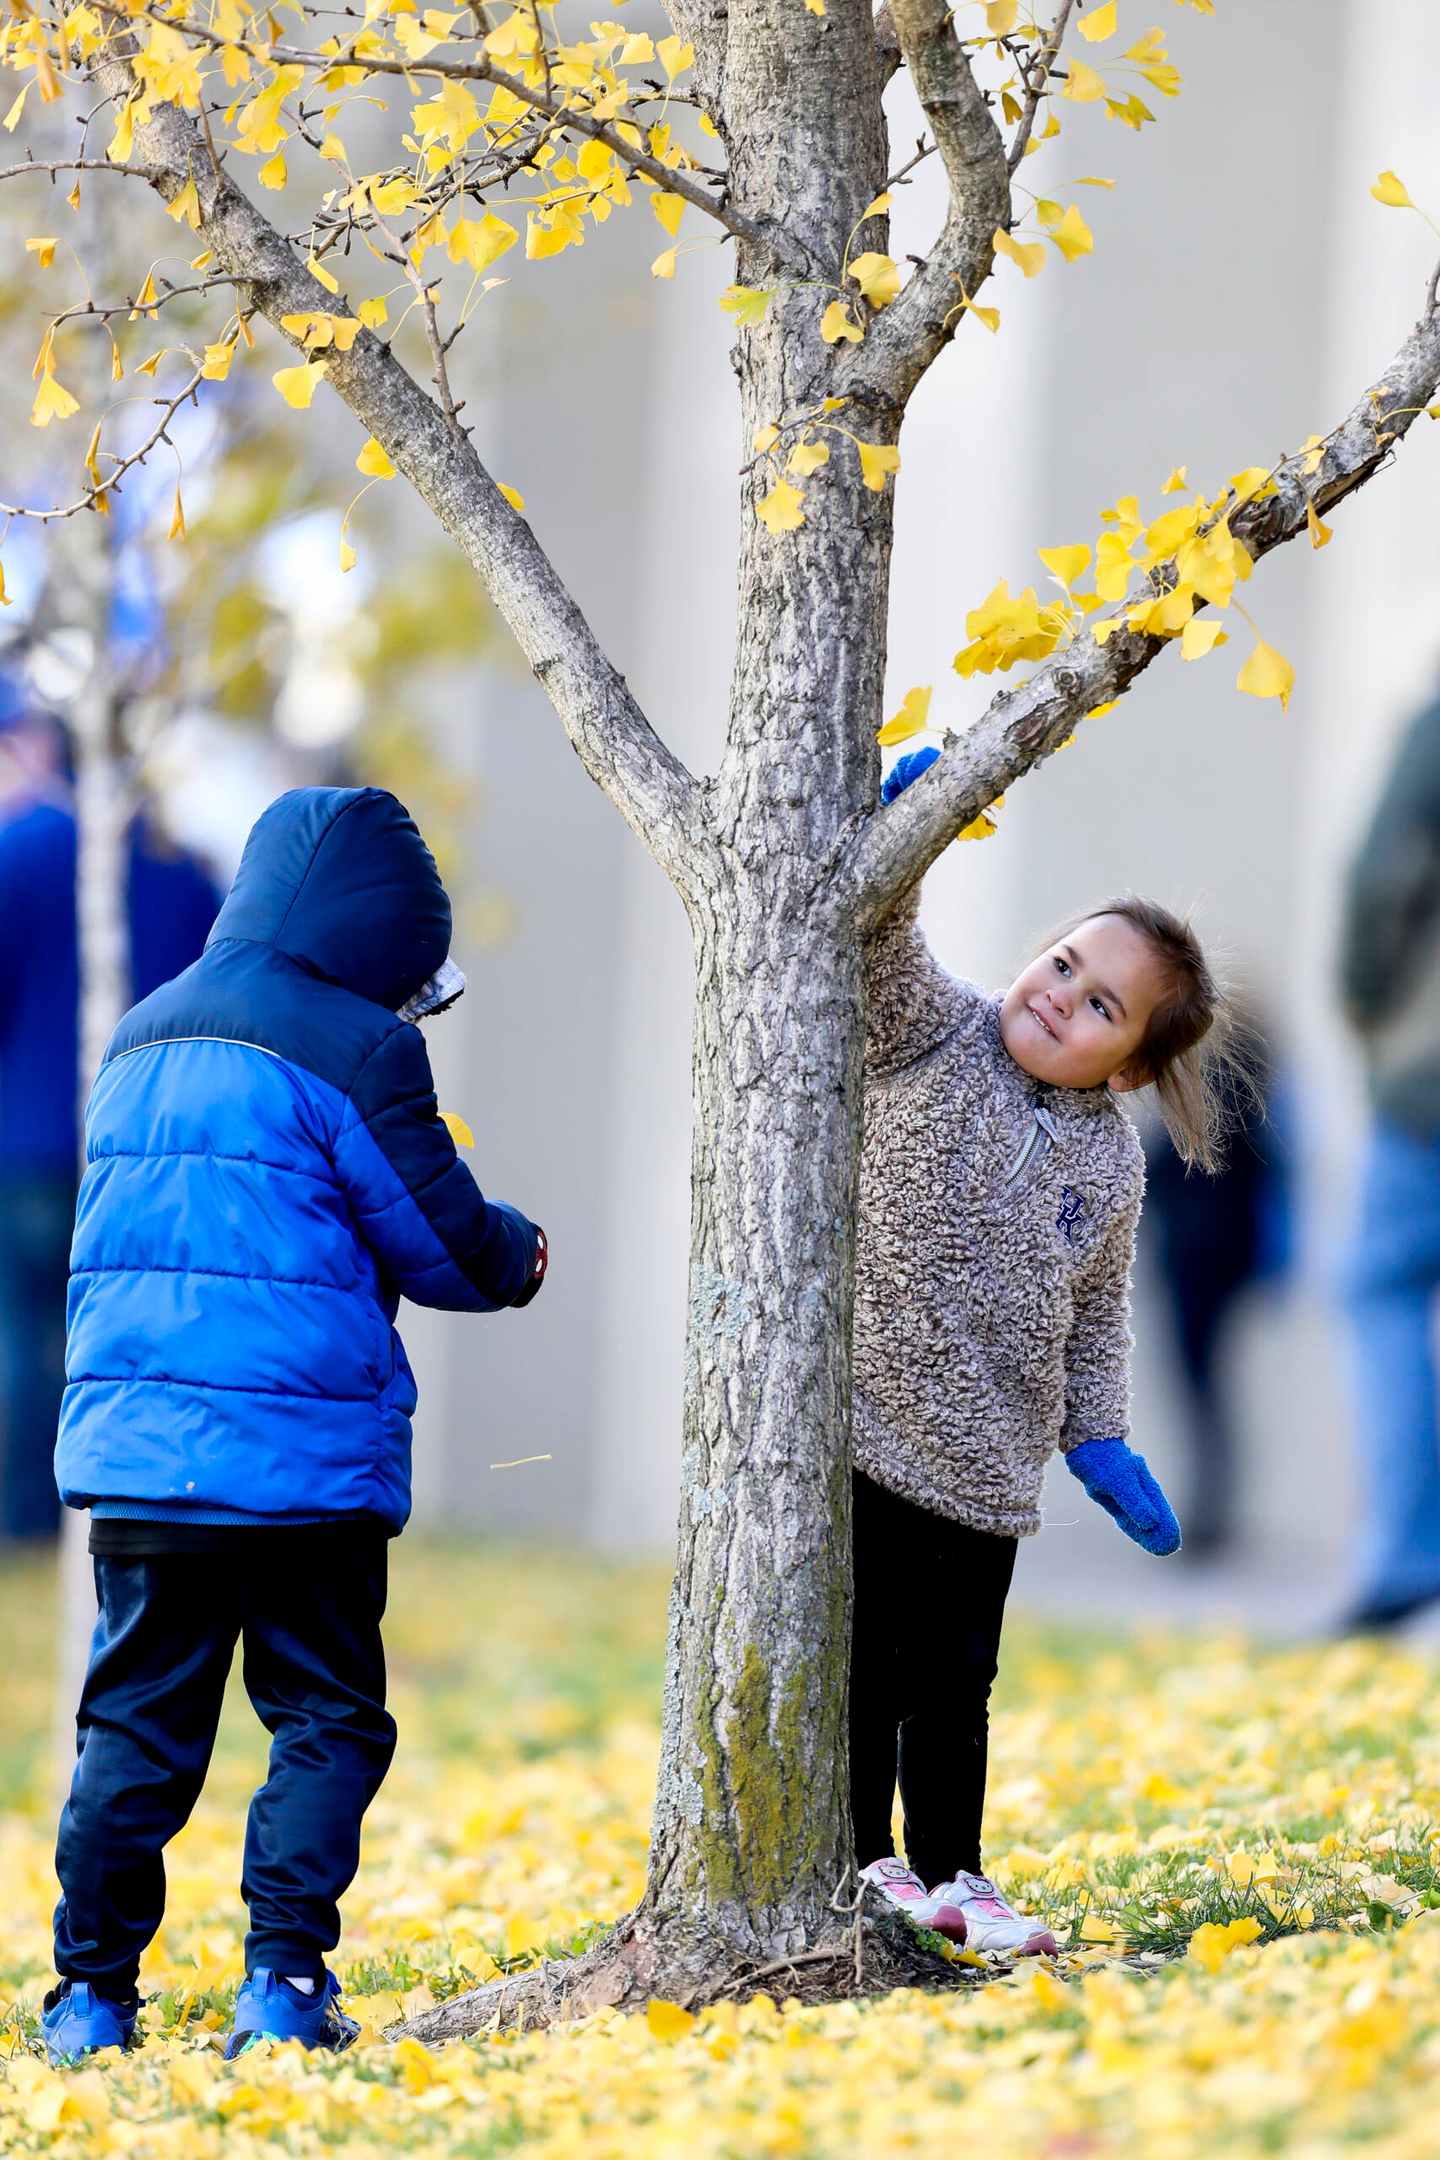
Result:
[
  {"x": 922, "y": 150},
  {"x": 438, "y": 348},
  {"x": 136, "y": 457},
  {"x": 59, "y": 165},
  {"x": 1036, "y": 78}
]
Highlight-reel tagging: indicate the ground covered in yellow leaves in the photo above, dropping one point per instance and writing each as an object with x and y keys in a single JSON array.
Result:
[{"x": 1240, "y": 1849}]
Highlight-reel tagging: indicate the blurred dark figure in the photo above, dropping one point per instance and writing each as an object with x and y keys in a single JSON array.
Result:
[
  {"x": 1214, "y": 1237},
  {"x": 1390, "y": 981},
  {"x": 172, "y": 904}
]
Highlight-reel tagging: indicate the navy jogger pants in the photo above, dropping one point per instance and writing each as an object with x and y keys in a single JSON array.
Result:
[{"x": 308, "y": 1605}]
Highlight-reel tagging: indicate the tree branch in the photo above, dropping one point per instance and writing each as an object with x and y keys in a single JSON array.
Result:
[
  {"x": 615, "y": 742},
  {"x": 887, "y": 43},
  {"x": 1037, "y": 77},
  {"x": 761, "y": 233},
  {"x": 904, "y": 340},
  {"x": 897, "y": 844}
]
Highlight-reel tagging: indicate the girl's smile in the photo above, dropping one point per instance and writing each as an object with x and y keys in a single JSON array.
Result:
[{"x": 1078, "y": 1014}]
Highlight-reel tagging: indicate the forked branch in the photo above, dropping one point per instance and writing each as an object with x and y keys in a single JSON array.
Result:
[
  {"x": 914, "y": 328},
  {"x": 898, "y": 844}
]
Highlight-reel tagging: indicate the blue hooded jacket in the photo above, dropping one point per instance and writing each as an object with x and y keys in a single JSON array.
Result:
[{"x": 267, "y": 1174}]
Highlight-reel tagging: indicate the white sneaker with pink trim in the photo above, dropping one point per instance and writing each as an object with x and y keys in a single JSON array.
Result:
[
  {"x": 903, "y": 1888},
  {"x": 970, "y": 1910}
]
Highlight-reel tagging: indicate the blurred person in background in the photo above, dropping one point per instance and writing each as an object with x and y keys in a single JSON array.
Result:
[
  {"x": 1215, "y": 1236},
  {"x": 1390, "y": 983},
  {"x": 172, "y": 904}
]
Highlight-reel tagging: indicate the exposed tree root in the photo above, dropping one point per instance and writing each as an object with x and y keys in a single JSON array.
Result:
[{"x": 685, "y": 1963}]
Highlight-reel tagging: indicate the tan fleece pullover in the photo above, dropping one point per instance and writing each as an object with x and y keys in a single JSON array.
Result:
[{"x": 997, "y": 1229}]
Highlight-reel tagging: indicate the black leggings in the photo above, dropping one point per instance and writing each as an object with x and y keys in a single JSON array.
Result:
[{"x": 929, "y": 1602}]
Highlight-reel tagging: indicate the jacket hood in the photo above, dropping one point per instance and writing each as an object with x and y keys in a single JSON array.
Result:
[{"x": 339, "y": 880}]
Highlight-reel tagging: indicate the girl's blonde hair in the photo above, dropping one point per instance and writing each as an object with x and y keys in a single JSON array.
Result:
[{"x": 1191, "y": 1052}]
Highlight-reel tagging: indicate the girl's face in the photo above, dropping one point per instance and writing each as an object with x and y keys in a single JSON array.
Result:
[{"x": 1078, "y": 1014}]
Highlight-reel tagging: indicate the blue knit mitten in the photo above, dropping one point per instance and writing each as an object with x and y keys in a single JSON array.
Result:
[
  {"x": 1120, "y": 1481},
  {"x": 904, "y": 770}
]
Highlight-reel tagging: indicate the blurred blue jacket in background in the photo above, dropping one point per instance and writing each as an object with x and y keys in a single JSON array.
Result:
[{"x": 172, "y": 904}]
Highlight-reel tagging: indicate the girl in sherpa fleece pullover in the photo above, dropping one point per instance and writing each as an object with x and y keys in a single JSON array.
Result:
[{"x": 1000, "y": 1190}]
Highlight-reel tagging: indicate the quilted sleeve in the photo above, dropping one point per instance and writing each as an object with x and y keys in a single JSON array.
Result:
[{"x": 437, "y": 1237}]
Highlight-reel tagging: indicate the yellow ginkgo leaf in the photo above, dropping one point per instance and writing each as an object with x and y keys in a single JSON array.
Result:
[
  {"x": 512, "y": 495},
  {"x": 1066, "y": 563},
  {"x": 52, "y": 401},
  {"x": 374, "y": 461},
  {"x": 203, "y": 260},
  {"x": 979, "y": 828},
  {"x": 669, "y": 209},
  {"x": 457, "y": 1128},
  {"x": 877, "y": 462},
  {"x": 1000, "y": 16},
  {"x": 1212, "y": 1943},
  {"x": 347, "y": 554},
  {"x": 1320, "y": 534},
  {"x": 837, "y": 322},
  {"x": 1029, "y": 254},
  {"x": 297, "y": 384},
  {"x": 910, "y": 720},
  {"x": 477, "y": 241},
  {"x": 122, "y": 142},
  {"x": 1099, "y": 24},
  {"x": 675, "y": 55},
  {"x": 815, "y": 7},
  {"x": 1051, "y": 1993},
  {"x": 217, "y": 362},
  {"x": 1112, "y": 566},
  {"x": 327, "y": 277},
  {"x": 1082, "y": 83},
  {"x": 667, "y": 2020},
  {"x": 664, "y": 263},
  {"x": 1392, "y": 191},
  {"x": 807, "y": 458},
  {"x": 272, "y": 173},
  {"x": 1200, "y": 636},
  {"x": 877, "y": 277},
  {"x": 747, "y": 303},
  {"x": 1176, "y": 482},
  {"x": 372, "y": 313},
  {"x": 767, "y": 436},
  {"x": 177, "y": 518},
  {"x": 148, "y": 367},
  {"x": 989, "y": 316},
  {"x": 1267, "y": 673},
  {"x": 11, "y": 122},
  {"x": 782, "y": 509},
  {"x": 145, "y": 298},
  {"x": 43, "y": 249},
  {"x": 877, "y": 208},
  {"x": 1072, "y": 235},
  {"x": 187, "y": 206}
]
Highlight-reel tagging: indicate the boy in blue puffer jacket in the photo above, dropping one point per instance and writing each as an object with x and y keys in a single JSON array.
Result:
[{"x": 267, "y": 1175}]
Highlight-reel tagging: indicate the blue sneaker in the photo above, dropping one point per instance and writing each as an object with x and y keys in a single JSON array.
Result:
[
  {"x": 268, "y": 2008},
  {"x": 77, "y": 2021}
]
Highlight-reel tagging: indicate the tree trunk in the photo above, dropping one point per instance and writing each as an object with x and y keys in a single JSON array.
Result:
[{"x": 751, "y": 1835}]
